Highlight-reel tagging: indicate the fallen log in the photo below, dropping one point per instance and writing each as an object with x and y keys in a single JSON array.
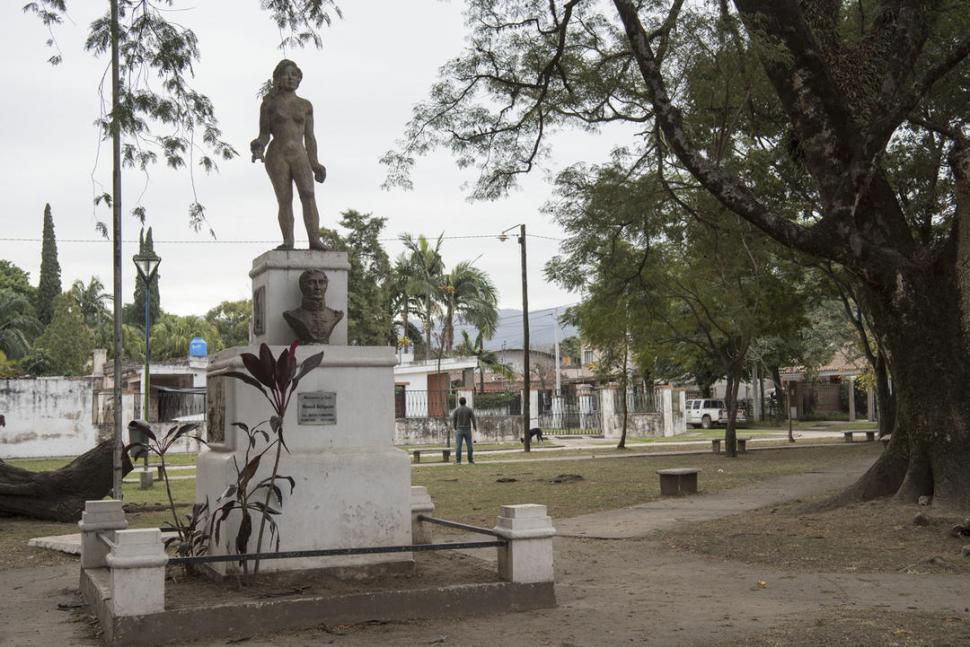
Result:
[{"x": 59, "y": 495}]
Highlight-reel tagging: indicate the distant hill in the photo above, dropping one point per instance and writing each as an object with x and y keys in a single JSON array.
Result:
[{"x": 509, "y": 331}]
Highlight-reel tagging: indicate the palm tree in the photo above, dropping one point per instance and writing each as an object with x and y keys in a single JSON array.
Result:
[
  {"x": 17, "y": 324},
  {"x": 400, "y": 302},
  {"x": 426, "y": 269},
  {"x": 467, "y": 294},
  {"x": 486, "y": 358},
  {"x": 92, "y": 301}
]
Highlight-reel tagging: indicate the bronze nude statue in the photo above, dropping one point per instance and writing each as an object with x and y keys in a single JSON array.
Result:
[
  {"x": 313, "y": 321},
  {"x": 292, "y": 154}
]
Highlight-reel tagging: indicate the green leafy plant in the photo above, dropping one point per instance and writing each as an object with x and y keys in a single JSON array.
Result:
[{"x": 190, "y": 542}]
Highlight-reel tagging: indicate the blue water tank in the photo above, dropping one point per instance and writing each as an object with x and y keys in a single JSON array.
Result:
[{"x": 198, "y": 347}]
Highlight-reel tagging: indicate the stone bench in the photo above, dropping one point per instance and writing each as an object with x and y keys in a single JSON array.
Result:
[
  {"x": 678, "y": 480},
  {"x": 742, "y": 445},
  {"x": 445, "y": 455},
  {"x": 870, "y": 436}
]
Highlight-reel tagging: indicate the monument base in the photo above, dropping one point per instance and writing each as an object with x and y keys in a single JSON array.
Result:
[
  {"x": 343, "y": 498},
  {"x": 351, "y": 486}
]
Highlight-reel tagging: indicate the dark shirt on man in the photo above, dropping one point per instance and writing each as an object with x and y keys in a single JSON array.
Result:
[{"x": 463, "y": 418}]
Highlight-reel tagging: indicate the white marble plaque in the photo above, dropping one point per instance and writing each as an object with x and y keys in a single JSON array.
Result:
[{"x": 319, "y": 408}]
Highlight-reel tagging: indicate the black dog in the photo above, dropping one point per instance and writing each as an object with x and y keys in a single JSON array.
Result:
[{"x": 534, "y": 434}]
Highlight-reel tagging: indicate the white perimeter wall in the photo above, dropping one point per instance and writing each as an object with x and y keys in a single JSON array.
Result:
[{"x": 46, "y": 417}]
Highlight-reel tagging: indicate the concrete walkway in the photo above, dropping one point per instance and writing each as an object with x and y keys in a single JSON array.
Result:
[{"x": 645, "y": 518}]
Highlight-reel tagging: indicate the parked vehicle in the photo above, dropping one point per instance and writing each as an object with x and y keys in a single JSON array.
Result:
[{"x": 707, "y": 413}]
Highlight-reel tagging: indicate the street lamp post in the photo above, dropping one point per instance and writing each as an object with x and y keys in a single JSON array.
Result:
[
  {"x": 526, "y": 378},
  {"x": 147, "y": 265}
]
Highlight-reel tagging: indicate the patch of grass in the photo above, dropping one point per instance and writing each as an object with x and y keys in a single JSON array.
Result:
[
  {"x": 50, "y": 464},
  {"x": 474, "y": 493},
  {"x": 633, "y": 448}
]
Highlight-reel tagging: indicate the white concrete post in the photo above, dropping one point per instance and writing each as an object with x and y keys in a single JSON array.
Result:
[
  {"x": 137, "y": 563},
  {"x": 667, "y": 410},
  {"x": 584, "y": 398},
  {"x": 609, "y": 414},
  {"x": 99, "y": 516},
  {"x": 533, "y": 409},
  {"x": 527, "y": 557},
  {"x": 421, "y": 503},
  {"x": 558, "y": 406}
]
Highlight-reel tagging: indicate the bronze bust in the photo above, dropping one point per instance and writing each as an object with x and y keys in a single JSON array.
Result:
[{"x": 313, "y": 321}]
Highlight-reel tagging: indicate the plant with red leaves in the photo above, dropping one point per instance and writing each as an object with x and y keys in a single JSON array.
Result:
[{"x": 277, "y": 379}]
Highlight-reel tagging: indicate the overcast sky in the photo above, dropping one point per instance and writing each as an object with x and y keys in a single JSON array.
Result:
[{"x": 374, "y": 66}]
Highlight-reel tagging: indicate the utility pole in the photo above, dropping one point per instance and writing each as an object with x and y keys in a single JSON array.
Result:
[
  {"x": 555, "y": 330},
  {"x": 116, "y": 491},
  {"x": 526, "y": 378}
]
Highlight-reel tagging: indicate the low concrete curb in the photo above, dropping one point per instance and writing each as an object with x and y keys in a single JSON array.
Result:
[{"x": 244, "y": 619}]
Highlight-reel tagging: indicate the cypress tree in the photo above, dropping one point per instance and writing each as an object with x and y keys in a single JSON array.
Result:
[
  {"x": 137, "y": 311},
  {"x": 49, "y": 287}
]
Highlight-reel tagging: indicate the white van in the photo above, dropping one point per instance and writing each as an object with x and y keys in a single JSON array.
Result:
[{"x": 707, "y": 413}]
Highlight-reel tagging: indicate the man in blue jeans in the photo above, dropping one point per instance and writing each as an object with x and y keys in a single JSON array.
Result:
[{"x": 463, "y": 420}]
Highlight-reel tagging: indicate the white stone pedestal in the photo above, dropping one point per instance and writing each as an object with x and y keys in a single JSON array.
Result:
[
  {"x": 276, "y": 289},
  {"x": 352, "y": 486}
]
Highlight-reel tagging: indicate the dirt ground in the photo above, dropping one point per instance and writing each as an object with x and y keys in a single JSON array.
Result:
[
  {"x": 872, "y": 537},
  {"x": 729, "y": 582}
]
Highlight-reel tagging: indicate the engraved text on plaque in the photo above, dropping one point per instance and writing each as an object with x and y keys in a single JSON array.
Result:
[{"x": 318, "y": 408}]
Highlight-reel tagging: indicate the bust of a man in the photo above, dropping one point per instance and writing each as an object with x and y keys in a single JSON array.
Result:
[{"x": 313, "y": 321}]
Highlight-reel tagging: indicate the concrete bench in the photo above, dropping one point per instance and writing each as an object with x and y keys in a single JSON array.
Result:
[
  {"x": 870, "y": 436},
  {"x": 678, "y": 480},
  {"x": 742, "y": 445},
  {"x": 445, "y": 455}
]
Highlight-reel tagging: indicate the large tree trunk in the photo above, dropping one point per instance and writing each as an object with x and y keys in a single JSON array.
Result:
[
  {"x": 923, "y": 318},
  {"x": 59, "y": 495}
]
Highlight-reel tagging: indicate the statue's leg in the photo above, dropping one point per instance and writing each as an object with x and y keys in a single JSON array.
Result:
[
  {"x": 279, "y": 174},
  {"x": 303, "y": 175}
]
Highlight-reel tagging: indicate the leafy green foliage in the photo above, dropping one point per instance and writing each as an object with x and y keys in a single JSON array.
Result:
[
  {"x": 231, "y": 319},
  {"x": 468, "y": 295},
  {"x": 171, "y": 334},
  {"x": 50, "y": 272},
  {"x": 17, "y": 324},
  {"x": 16, "y": 280},
  {"x": 191, "y": 539},
  {"x": 368, "y": 282},
  {"x": 66, "y": 339},
  {"x": 422, "y": 284},
  {"x": 91, "y": 300}
]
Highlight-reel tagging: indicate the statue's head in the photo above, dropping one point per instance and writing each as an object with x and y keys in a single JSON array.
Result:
[
  {"x": 313, "y": 285},
  {"x": 281, "y": 69}
]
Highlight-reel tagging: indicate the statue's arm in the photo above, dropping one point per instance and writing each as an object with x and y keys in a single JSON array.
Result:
[
  {"x": 319, "y": 171},
  {"x": 259, "y": 144}
]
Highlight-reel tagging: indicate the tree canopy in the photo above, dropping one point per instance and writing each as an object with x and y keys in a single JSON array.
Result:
[
  {"x": 49, "y": 287},
  {"x": 369, "y": 314},
  {"x": 839, "y": 130}
]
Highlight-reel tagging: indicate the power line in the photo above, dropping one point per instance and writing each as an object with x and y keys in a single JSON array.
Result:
[{"x": 236, "y": 242}]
